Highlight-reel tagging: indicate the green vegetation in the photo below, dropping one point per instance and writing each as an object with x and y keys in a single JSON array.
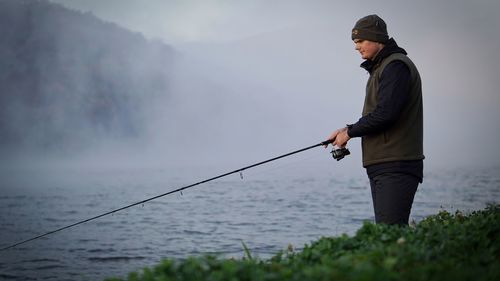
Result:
[{"x": 441, "y": 247}]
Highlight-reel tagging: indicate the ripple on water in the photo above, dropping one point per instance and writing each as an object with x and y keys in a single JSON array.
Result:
[
  {"x": 115, "y": 258},
  {"x": 39, "y": 260},
  {"x": 50, "y": 267},
  {"x": 100, "y": 250}
]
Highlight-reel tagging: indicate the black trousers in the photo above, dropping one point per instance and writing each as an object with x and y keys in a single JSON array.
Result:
[{"x": 392, "y": 195}]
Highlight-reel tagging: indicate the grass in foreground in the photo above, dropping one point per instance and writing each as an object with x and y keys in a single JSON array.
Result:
[{"x": 441, "y": 247}]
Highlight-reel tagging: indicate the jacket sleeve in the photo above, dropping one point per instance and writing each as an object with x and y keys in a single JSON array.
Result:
[{"x": 392, "y": 97}]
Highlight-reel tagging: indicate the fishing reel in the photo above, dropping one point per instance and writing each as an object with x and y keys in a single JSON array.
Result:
[{"x": 339, "y": 153}]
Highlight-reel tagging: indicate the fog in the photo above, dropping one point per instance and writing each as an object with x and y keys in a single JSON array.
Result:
[{"x": 256, "y": 79}]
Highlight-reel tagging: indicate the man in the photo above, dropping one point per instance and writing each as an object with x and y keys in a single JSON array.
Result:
[{"x": 391, "y": 126}]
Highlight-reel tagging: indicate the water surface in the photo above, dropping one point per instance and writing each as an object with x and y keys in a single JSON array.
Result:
[{"x": 267, "y": 213}]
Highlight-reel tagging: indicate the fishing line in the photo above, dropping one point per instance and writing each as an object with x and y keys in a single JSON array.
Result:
[{"x": 240, "y": 170}]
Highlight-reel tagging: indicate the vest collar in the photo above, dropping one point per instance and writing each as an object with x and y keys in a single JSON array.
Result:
[{"x": 391, "y": 47}]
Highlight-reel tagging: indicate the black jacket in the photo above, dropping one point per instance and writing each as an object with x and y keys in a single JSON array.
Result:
[{"x": 396, "y": 79}]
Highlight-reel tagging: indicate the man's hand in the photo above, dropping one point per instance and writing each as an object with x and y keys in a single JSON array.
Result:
[{"x": 339, "y": 138}]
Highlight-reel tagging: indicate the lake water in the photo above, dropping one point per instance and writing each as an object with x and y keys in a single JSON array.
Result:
[{"x": 266, "y": 211}]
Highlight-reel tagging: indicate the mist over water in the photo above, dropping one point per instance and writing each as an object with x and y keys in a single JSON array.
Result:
[{"x": 237, "y": 97}]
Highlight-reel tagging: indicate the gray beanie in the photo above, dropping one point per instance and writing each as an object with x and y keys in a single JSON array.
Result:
[{"x": 371, "y": 28}]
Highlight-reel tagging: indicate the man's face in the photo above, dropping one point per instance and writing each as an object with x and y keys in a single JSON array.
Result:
[{"x": 367, "y": 49}]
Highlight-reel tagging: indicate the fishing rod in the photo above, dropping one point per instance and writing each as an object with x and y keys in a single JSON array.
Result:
[{"x": 337, "y": 153}]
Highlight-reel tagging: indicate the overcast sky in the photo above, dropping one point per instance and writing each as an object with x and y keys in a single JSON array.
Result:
[
  {"x": 214, "y": 20},
  {"x": 453, "y": 43}
]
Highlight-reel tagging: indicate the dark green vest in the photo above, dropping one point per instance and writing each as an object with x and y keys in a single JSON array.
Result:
[{"x": 403, "y": 140}]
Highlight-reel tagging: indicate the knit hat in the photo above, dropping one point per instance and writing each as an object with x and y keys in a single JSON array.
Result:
[{"x": 371, "y": 28}]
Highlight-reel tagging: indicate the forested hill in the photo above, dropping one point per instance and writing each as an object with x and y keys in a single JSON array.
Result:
[{"x": 67, "y": 76}]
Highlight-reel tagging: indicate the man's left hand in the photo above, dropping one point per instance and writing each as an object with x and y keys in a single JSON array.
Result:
[{"x": 339, "y": 137}]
